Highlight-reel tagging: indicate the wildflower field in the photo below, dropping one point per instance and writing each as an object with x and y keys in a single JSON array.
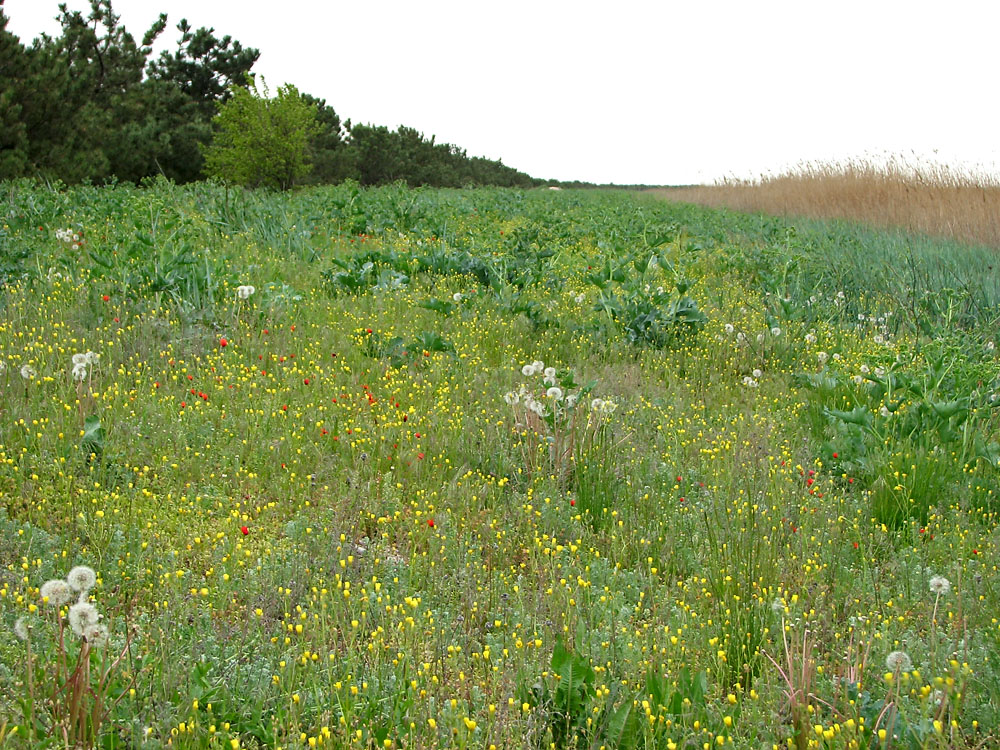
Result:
[{"x": 392, "y": 468}]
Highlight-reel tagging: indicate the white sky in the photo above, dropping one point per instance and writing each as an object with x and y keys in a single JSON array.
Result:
[{"x": 668, "y": 92}]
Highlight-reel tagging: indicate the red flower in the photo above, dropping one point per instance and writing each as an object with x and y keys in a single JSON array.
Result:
[
  {"x": 572, "y": 503},
  {"x": 420, "y": 456},
  {"x": 835, "y": 455},
  {"x": 106, "y": 298},
  {"x": 306, "y": 381},
  {"x": 245, "y": 530},
  {"x": 430, "y": 522},
  {"x": 223, "y": 342}
]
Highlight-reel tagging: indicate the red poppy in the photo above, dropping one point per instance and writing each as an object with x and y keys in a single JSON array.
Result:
[
  {"x": 430, "y": 522},
  {"x": 245, "y": 530},
  {"x": 223, "y": 342}
]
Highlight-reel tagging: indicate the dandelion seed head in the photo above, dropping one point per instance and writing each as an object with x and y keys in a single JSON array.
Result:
[
  {"x": 82, "y": 578},
  {"x": 898, "y": 661},
  {"x": 96, "y": 635},
  {"x": 940, "y": 585},
  {"x": 82, "y": 615},
  {"x": 57, "y": 592},
  {"x": 22, "y": 629}
]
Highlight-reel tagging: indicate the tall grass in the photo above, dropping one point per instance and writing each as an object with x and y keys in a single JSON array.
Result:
[{"x": 933, "y": 200}]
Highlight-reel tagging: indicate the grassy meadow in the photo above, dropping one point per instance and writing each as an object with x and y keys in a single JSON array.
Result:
[{"x": 393, "y": 468}]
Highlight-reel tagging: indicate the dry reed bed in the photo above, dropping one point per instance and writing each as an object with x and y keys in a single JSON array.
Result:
[{"x": 938, "y": 201}]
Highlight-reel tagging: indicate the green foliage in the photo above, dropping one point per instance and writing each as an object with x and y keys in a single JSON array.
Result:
[
  {"x": 260, "y": 141},
  {"x": 564, "y": 697},
  {"x": 656, "y": 317}
]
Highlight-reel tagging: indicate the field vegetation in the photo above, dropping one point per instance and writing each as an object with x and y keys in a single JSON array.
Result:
[
  {"x": 919, "y": 198},
  {"x": 382, "y": 467}
]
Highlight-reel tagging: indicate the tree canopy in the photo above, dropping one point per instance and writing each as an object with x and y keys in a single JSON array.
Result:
[{"x": 93, "y": 103}]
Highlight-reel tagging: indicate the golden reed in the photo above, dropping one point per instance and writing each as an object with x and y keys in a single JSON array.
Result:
[{"x": 936, "y": 200}]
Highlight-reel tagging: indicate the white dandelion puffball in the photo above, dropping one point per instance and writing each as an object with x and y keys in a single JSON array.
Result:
[
  {"x": 729, "y": 328},
  {"x": 597, "y": 404},
  {"x": 811, "y": 338},
  {"x": 940, "y": 585},
  {"x": 457, "y": 297},
  {"x": 92, "y": 358},
  {"x": 22, "y": 629},
  {"x": 510, "y": 398},
  {"x": 757, "y": 374},
  {"x": 79, "y": 359},
  {"x": 608, "y": 406},
  {"x": 245, "y": 291},
  {"x": 82, "y": 578},
  {"x": 776, "y": 331},
  {"x": 82, "y": 615},
  {"x": 528, "y": 370},
  {"x": 741, "y": 338},
  {"x": 538, "y": 365},
  {"x": 96, "y": 635},
  {"x": 822, "y": 357},
  {"x": 898, "y": 661},
  {"x": 56, "y": 592},
  {"x": 571, "y": 400},
  {"x": 79, "y": 373},
  {"x": 549, "y": 372},
  {"x": 554, "y": 393},
  {"x": 28, "y": 372},
  {"x": 579, "y": 299}
]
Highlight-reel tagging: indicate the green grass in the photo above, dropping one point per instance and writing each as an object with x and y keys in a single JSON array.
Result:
[{"x": 316, "y": 521}]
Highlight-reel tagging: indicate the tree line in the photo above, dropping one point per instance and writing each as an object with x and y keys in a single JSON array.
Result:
[{"x": 93, "y": 103}]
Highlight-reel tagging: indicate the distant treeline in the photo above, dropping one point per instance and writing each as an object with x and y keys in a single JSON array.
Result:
[{"x": 92, "y": 104}]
